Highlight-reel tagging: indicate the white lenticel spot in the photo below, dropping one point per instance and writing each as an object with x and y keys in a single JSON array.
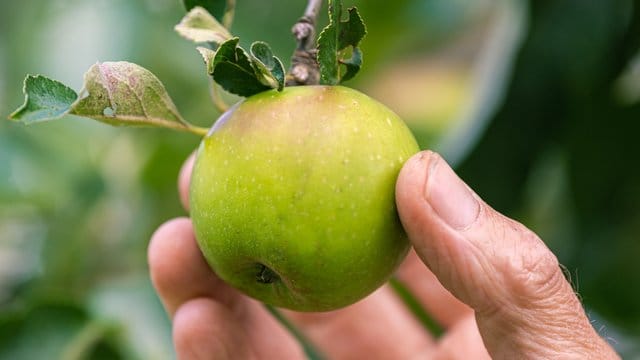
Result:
[{"x": 109, "y": 112}]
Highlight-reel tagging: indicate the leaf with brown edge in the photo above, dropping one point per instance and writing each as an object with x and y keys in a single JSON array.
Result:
[{"x": 123, "y": 93}]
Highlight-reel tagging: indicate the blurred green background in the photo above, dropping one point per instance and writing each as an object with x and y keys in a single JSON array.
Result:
[{"x": 537, "y": 105}]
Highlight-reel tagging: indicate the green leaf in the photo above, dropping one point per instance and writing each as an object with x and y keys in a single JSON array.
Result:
[
  {"x": 241, "y": 73},
  {"x": 215, "y": 7},
  {"x": 237, "y": 80},
  {"x": 208, "y": 56},
  {"x": 123, "y": 93},
  {"x": 268, "y": 66},
  {"x": 334, "y": 41},
  {"x": 45, "y": 99},
  {"x": 226, "y": 51},
  {"x": 116, "y": 93},
  {"x": 352, "y": 65},
  {"x": 200, "y": 26},
  {"x": 243, "y": 60},
  {"x": 352, "y": 30}
]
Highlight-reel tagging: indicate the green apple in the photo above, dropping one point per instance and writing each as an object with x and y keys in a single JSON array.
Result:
[{"x": 293, "y": 196}]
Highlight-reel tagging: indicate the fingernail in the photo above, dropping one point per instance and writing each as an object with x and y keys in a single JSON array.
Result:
[{"x": 449, "y": 196}]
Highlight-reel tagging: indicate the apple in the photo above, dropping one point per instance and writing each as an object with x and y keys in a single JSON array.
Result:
[{"x": 293, "y": 196}]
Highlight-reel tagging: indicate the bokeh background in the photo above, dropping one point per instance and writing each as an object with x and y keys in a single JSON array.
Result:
[{"x": 536, "y": 103}]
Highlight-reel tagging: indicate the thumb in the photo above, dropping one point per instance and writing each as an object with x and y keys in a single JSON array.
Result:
[{"x": 524, "y": 306}]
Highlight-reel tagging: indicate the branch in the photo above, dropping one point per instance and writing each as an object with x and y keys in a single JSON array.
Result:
[
  {"x": 305, "y": 29},
  {"x": 304, "y": 65}
]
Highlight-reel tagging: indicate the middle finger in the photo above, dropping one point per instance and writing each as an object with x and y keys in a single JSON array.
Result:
[
  {"x": 378, "y": 327},
  {"x": 427, "y": 290}
]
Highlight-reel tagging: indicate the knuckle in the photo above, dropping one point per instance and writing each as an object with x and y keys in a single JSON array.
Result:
[{"x": 532, "y": 270}]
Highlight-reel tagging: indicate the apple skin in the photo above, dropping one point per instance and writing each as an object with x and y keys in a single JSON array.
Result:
[{"x": 293, "y": 196}]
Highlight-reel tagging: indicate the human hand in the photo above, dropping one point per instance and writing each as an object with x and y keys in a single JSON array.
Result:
[{"x": 491, "y": 283}]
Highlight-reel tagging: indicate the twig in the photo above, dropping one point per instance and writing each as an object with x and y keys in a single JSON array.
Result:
[
  {"x": 304, "y": 64},
  {"x": 229, "y": 13},
  {"x": 305, "y": 29},
  {"x": 216, "y": 97}
]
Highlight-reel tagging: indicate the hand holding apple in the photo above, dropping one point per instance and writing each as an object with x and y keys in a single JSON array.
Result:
[
  {"x": 490, "y": 282},
  {"x": 293, "y": 204}
]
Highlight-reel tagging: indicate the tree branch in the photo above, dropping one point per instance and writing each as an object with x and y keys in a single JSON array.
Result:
[{"x": 304, "y": 65}]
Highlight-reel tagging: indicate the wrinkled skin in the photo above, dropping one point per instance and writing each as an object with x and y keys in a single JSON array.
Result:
[{"x": 292, "y": 196}]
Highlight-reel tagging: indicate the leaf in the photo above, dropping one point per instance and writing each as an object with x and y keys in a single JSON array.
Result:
[
  {"x": 226, "y": 51},
  {"x": 243, "y": 60},
  {"x": 352, "y": 65},
  {"x": 217, "y": 8},
  {"x": 208, "y": 55},
  {"x": 123, "y": 93},
  {"x": 116, "y": 93},
  {"x": 200, "y": 26},
  {"x": 237, "y": 80},
  {"x": 352, "y": 30},
  {"x": 241, "y": 73},
  {"x": 45, "y": 99},
  {"x": 334, "y": 39},
  {"x": 267, "y": 65}
]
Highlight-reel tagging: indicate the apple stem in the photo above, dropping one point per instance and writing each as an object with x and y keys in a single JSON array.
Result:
[{"x": 304, "y": 64}]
